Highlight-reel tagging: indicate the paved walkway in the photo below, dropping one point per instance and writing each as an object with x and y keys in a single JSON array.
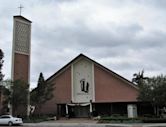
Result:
[
  {"x": 72, "y": 120},
  {"x": 82, "y": 122},
  {"x": 91, "y": 125}
]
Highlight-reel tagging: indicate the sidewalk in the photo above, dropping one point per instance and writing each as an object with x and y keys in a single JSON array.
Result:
[
  {"x": 83, "y": 122},
  {"x": 56, "y": 124},
  {"x": 73, "y": 120},
  {"x": 88, "y": 122}
]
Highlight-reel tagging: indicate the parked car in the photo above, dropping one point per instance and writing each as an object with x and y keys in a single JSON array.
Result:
[{"x": 10, "y": 120}]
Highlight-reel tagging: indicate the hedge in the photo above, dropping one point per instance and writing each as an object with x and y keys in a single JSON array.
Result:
[{"x": 121, "y": 119}]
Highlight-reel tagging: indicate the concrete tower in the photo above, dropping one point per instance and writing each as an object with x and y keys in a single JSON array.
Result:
[{"x": 21, "y": 49}]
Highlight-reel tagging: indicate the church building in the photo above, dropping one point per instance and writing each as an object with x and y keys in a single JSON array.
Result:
[{"x": 83, "y": 88}]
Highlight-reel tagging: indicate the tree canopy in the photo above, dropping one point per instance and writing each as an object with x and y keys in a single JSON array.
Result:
[
  {"x": 42, "y": 93},
  {"x": 1, "y": 64},
  {"x": 15, "y": 93},
  {"x": 19, "y": 96},
  {"x": 138, "y": 78},
  {"x": 152, "y": 90}
]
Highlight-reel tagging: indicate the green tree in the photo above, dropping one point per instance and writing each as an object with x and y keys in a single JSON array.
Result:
[
  {"x": 1, "y": 64},
  {"x": 138, "y": 78},
  {"x": 19, "y": 95},
  {"x": 42, "y": 93},
  {"x": 15, "y": 93},
  {"x": 153, "y": 90},
  {"x": 1, "y": 77},
  {"x": 6, "y": 92}
]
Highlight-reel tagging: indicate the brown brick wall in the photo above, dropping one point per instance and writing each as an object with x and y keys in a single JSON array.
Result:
[
  {"x": 21, "y": 67},
  {"x": 62, "y": 92},
  {"x": 109, "y": 88}
]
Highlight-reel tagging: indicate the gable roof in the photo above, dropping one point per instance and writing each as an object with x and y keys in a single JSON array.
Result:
[{"x": 98, "y": 64}]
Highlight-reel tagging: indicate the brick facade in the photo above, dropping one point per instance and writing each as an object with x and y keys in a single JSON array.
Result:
[
  {"x": 110, "y": 88},
  {"x": 21, "y": 67},
  {"x": 61, "y": 92}
]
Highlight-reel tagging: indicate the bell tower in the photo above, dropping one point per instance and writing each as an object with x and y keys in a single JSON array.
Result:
[
  {"x": 21, "y": 49},
  {"x": 21, "y": 54}
]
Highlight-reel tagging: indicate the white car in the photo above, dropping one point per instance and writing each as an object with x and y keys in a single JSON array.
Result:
[{"x": 10, "y": 120}]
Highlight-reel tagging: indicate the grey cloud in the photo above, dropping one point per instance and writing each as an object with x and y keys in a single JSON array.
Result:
[
  {"x": 153, "y": 39},
  {"x": 104, "y": 43},
  {"x": 161, "y": 4},
  {"x": 125, "y": 46},
  {"x": 82, "y": 35}
]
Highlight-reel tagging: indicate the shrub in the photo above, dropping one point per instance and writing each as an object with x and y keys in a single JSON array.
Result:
[
  {"x": 120, "y": 119},
  {"x": 154, "y": 120}
]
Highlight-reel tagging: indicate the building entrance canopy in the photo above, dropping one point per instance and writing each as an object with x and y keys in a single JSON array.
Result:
[{"x": 79, "y": 109}]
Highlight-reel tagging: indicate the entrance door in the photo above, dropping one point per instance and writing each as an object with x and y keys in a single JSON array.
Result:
[{"x": 81, "y": 111}]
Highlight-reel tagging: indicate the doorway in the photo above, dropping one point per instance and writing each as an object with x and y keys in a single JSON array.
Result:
[{"x": 79, "y": 111}]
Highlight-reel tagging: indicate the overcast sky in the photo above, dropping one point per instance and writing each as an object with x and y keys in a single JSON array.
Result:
[{"x": 125, "y": 36}]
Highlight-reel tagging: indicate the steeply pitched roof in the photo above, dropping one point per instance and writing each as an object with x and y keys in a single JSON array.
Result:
[{"x": 82, "y": 55}]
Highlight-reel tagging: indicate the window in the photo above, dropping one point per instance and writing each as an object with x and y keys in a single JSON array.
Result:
[{"x": 4, "y": 117}]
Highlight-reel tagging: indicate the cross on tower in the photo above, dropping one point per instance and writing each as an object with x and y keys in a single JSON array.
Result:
[{"x": 20, "y": 7}]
